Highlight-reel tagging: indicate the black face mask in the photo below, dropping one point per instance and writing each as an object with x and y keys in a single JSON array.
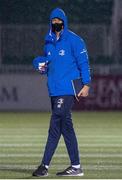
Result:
[{"x": 57, "y": 27}]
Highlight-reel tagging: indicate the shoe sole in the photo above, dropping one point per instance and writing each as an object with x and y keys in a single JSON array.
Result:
[
  {"x": 81, "y": 174},
  {"x": 41, "y": 175}
]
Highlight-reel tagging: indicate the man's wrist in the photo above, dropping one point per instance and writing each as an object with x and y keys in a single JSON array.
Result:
[{"x": 87, "y": 85}]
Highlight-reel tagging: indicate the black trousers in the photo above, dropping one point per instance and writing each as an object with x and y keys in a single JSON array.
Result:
[{"x": 61, "y": 124}]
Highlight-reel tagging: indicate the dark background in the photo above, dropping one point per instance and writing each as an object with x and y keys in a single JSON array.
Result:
[{"x": 23, "y": 25}]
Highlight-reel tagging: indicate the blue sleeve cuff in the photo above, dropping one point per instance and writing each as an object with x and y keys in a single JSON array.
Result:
[{"x": 37, "y": 60}]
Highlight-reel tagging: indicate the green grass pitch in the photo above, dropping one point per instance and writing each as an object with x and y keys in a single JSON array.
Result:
[{"x": 23, "y": 137}]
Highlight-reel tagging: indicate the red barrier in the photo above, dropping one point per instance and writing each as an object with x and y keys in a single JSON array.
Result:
[{"x": 106, "y": 94}]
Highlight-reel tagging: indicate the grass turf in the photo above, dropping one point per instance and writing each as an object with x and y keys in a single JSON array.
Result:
[{"x": 23, "y": 137}]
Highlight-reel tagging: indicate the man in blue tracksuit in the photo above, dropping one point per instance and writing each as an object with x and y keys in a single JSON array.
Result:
[{"x": 65, "y": 59}]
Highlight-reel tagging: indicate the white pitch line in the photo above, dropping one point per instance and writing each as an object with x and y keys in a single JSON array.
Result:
[
  {"x": 23, "y": 155},
  {"x": 45, "y": 136},
  {"x": 60, "y": 145},
  {"x": 23, "y": 136},
  {"x": 43, "y": 141},
  {"x": 85, "y": 167}
]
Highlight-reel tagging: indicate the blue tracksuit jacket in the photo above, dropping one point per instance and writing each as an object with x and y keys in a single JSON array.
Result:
[{"x": 67, "y": 59}]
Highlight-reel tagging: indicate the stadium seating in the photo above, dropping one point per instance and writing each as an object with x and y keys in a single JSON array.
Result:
[
  {"x": 34, "y": 12},
  {"x": 104, "y": 60},
  {"x": 37, "y": 12},
  {"x": 14, "y": 60}
]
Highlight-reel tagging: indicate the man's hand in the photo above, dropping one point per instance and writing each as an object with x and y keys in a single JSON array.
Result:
[
  {"x": 84, "y": 91},
  {"x": 42, "y": 67}
]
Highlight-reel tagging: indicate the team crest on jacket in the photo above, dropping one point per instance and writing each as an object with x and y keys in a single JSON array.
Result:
[
  {"x": 60, "y": 102},
  {"x": 62, "y": 52}
]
